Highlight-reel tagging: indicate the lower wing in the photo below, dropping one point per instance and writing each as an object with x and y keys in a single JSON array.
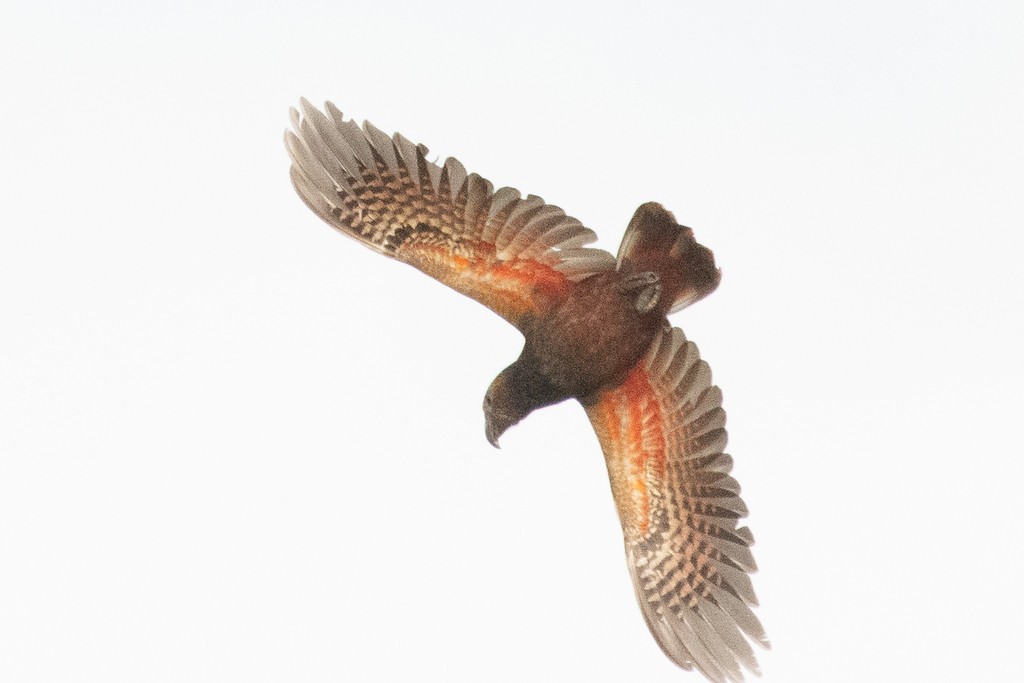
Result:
[{"x": 662, "y": 432}]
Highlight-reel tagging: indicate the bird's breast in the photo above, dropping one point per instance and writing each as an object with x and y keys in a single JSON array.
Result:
[{"x": 592, "y": 338}]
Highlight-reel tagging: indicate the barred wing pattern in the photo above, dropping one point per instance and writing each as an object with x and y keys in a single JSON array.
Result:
[
  {"x": 508, "y": 252},
  {"x": 662, "y": 432}
]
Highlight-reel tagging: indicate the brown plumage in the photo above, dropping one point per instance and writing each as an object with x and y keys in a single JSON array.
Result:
[{"x": 595, "y": 329}]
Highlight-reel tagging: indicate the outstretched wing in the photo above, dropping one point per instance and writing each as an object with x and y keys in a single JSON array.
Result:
[
  {"x": 508, "y": 252},
  {"x": 662, "y": 432}
]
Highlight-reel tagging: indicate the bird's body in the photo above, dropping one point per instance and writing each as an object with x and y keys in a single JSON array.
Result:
[
  {"x": 591, "y": 338},
  {"x": 596, "y": 330}
]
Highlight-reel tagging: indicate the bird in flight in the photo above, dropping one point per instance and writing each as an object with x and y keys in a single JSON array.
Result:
[{"x": 596, "y": 330}]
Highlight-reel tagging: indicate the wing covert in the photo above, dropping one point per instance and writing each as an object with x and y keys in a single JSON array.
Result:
[
  {"x": 663, "y": 432},
  {"x": 508, "y": 252}
]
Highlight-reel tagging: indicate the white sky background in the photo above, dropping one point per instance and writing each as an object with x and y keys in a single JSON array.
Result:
[{"x": 235, "y": 446}]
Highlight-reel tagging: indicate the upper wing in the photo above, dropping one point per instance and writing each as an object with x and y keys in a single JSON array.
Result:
[
  {"x": 662, "y": 432},
  {"x": 507, "y": 252}
]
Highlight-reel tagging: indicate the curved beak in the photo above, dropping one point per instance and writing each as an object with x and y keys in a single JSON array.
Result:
[{"x": 492, "y": 434}]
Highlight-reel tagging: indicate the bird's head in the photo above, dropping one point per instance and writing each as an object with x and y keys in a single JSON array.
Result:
[{"x": 503, "y": 407}]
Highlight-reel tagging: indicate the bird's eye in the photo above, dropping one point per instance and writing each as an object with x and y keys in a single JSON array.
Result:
[{"x": 488, "y": 401}]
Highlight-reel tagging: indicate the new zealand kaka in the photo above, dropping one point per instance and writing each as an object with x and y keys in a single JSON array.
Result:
[{"x": 595, "y": 330}]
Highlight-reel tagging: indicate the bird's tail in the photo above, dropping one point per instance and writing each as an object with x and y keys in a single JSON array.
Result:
[{"x": 655, "y": 242}]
